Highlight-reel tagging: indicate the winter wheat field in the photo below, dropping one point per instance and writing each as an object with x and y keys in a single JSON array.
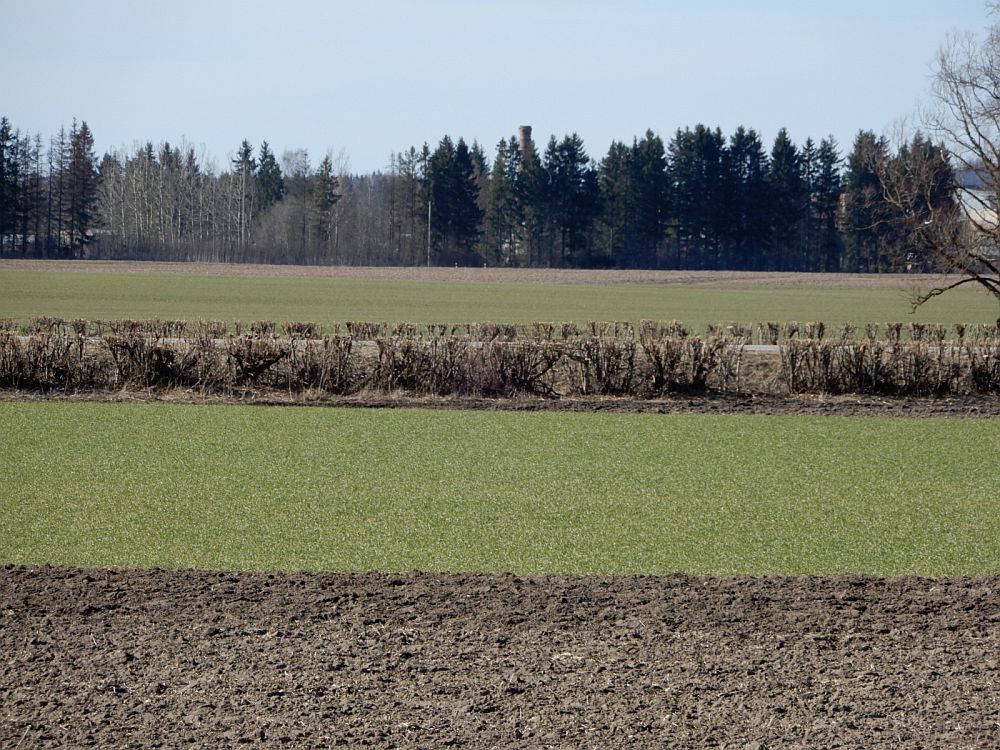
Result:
[{"x": 811, "y": 573}]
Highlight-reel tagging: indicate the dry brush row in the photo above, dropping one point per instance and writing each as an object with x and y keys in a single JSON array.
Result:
[
  {"x": 766, "y": 333},
  {"x": 647, "y": 367}
]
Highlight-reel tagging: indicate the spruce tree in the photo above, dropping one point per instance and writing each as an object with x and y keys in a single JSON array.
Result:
[
  {"x": 533, "y": 205},
  {"x": 745, "y": 197},
  {"x": 455, "y": 213},
  {"x": 651, "y": 198},
  {"x": 866, "y": 214},
  {"x": 788, "y": 202},
  {"x": 325, "y": 196},
  {"x": 616, "y": 180},
  {"x": 269, "y": 182},
  {"x": 826, "y": 191},
  {"x": 697, "y": 167},
  {"x": 573, "y": 195},
  {"x": 502, "y": 220},
  {"x": 81, "y": 187}
]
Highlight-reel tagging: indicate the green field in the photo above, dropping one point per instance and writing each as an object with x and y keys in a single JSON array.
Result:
[
  {"x": 244, "y": 487},
  {"x": 102, "y": 296}
]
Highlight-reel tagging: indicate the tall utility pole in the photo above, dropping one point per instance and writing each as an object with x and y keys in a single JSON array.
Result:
[{"x": 429, "y": 204}]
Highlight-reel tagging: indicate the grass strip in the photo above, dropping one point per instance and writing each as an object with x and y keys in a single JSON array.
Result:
[
  {"x": 244, "y": 487},
  {"x": 74, "y": 294}
]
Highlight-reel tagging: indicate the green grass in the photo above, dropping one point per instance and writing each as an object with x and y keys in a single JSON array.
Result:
[
  {"x": 72, "y": 294},
  {"x": 242, "y": 487}
]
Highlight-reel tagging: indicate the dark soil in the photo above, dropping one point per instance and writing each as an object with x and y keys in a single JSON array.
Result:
[
  {"x": 112, "y": 658},
  {"x": 718, "y": 403}
]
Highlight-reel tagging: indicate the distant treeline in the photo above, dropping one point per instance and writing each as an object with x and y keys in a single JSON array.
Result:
[{"x": 699, "y": 201}]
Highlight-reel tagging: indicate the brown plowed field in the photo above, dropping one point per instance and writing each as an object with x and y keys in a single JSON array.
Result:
[
  {"x": 111, "y": 658},
  {"x": 489, "y": 275}
]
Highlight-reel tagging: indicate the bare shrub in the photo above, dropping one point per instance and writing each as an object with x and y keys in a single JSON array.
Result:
[
  {"x": 739, "y": 332},
  {"x": 815, "y": 330},
  {"x": 144, "y": 362},
  {"x": 607, "y": 366},
  {"x": 663, "y": 356},
  {"x": 300, "y": 330},
  {"x": 325, "y": 365},
  {"x": 893, "y": 332},
  {"x": 926, "y": 371},
  {"x": 570, "y": 330},
  {"x": 214, "y": 328},
  {"x": 444, "y": 365},
  {"x": 730, "y": 363},
  {"x": 793, "y": 369},
  {"x": 249, "y": 360},
  {"x": 47, "y": 360},
  {"x": 403, "y": 364},
  {"x": 612, "y": 329},
  {"x": 543, "y": 331},
  {"x": 365, "y": 330},
  {"x": 516, "y": 367},
  {"x": 770, "y": 332},
  {"x": 702, "y": 358},
  {"x": 662, "y": 328},
  {"x": 863, "y": 368},
  {"x": 43, "y": 324},
  {"x": 984, "y": 367},
  {"x": 493, "y": 331}
]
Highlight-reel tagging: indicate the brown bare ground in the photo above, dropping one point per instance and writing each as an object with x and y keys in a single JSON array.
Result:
[
  {"x": 150, "y": 659},
  {"x": 490, "y": 275},
  {"x": 957, "y": 407}
]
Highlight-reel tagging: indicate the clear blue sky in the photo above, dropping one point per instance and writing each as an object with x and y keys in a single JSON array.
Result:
[{"x": 374, "y": 76}]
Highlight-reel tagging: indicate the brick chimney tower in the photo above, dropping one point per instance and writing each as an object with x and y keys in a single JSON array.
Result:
[{"x": 524, "y": 134}]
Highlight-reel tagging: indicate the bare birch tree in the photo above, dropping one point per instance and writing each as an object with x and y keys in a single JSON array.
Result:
[{"x": 964, "y": 117}]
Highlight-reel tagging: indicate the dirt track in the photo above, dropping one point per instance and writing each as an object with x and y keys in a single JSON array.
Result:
[
  {"x": 191, "y": 659},
  {"x": 957, "y": 407}
]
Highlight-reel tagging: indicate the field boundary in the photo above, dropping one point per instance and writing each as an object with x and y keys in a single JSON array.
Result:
[
  {"x": 488, "y": 275},
  {"x": 961, "y": 407}
]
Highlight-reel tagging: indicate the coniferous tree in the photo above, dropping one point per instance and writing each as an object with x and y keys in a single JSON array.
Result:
[
  {"x": 324, "y": 198},
  {"x": 921, "y": 174},
  {"x": 573, "y": 196},
  {"x": 697, "y": 166},
  {"x": 867, "y": 218},
  {"x": 502, "y": 212},
  {"x": 825, "y": 200},
  {"x": 745, "y": 197},
  {"x": 616, "y": 242},
  {"x": 455, "y": 212},
  {"x": 532, "y": 199},
  {"x": 788, "y": 200},
  {"x": 269, "y": 182},
  {"x": 651, "y": 197}
]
